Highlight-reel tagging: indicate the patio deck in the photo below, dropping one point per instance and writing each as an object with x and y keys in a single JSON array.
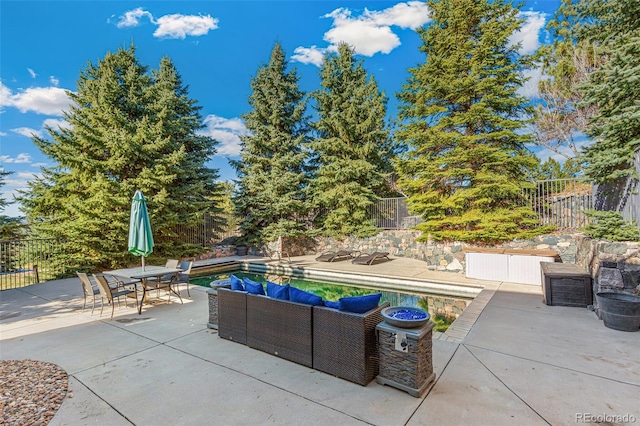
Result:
[{"x": 518, "y": 362}]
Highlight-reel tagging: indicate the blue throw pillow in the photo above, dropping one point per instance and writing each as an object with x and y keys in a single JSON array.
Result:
[
  {"x": 276, "y": 291},
  {"x": 253, "y": 287},
  {"x": 236, "y": 283},
  {"x": 301, "y": 296},
  {"x": 331, "y": 304},
  {"x": 360, "y": 304}
]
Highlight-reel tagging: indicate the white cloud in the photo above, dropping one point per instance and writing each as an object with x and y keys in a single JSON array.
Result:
[
  {"x": 529, "y": 33},
  {"x": 22, "y": 176},
  {"x": 227, "y": 131},
  {"x": 411, "y": 14},
  {"x": 14, "y": 182},
  {"x": 170, "y": 26},
  {"x": 369, "y": 33},
  {"x": 5, "y": 94},
  {"x": 53, "y": 80},
  {"x": 41, "y": 100},
  {"x": 27, "y": 132},
  {"x": 131, "y": 18},
  {"x": 530, "y": 88},
  {"x": 529, "y": 37},
  {"x": 309, "y": 55},
  {"x": 10, "y": 210},
  {"x": 3, "y": 134},
  {"x": 39, "y": 164},
  {"x": 181, "y": 26},
  {"x": 56, "y": 124},
  {"x": 32, "y": 73},
  {"x": 364, "y": 35},
  {"x": 53, "y": 123},
  {"x": 21, "y": 158}
]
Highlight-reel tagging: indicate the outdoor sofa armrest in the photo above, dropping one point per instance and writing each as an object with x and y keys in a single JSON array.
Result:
[
  {"x": 232, "y": 315},
  {"x": 345, "y": 344}
]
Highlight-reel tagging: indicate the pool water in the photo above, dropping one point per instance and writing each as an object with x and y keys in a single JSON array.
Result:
[{"x": 443, "y": 309}]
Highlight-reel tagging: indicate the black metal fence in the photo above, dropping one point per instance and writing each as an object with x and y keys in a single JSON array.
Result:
[
  {"x": 24, "y": 262},
  {"x": 393, "y": 213},
  {"x": 621, "y": 195},
  {"x": 561, "y": 202},
  {"x": 211, "y": 230},
  {"x": 558, "y": 202}
]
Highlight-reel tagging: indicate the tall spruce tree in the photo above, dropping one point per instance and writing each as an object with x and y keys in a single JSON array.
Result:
[
  {"x": 461, "y": 116},
  {"x": 613, "y": 26},
  {"x": 270, "y": 198},
  {"x": 353, "y": 150},
  {"x": 130, "y": 129}
]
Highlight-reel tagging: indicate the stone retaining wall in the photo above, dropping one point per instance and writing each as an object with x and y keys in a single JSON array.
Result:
[
  {"x": 573, "y": 248},
  {"x": 440, "y": 256},
  {"x": 217, "y": 251},
  {"x": 616, "y": 266}
]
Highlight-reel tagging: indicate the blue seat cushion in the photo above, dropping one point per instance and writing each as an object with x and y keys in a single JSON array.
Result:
[
  {"x": 276, "y": 291},
  {"x": 236, "y": 283},
  {"x": 301, "y": 296},
  {"x": 332, "y": 304},
  {"x": 253, "y": 287},
  {"x": 359, "y": 304}
]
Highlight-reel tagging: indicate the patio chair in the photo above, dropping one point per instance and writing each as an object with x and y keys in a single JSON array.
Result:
[
  {"x": 331, "y": 256},
  {"x": 166, "y": 282},
  {"x": 183, "y": 277},
  {"x": 88, "y": 290},
  {"x": 109, "y": 293},
  {"x": 370, "y": 259},
  {"x": 170, "y": 263}
]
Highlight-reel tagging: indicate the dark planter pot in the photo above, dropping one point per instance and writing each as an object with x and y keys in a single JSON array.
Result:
[
  {"x": 241, "y": 250},
  {"x": 619, "y": 311}
]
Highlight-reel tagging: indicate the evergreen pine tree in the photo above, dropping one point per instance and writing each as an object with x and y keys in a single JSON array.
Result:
[
  {"x": 128, "y": 131},
  {"x": 180, "y": 172},
  {"x": 353, "y": 150},
  {"x": 614, "y": 28},
  {"x": 10, "y": 227},
  {"x": 461, "y": 116},
  {"x": 270, "y": 197}
]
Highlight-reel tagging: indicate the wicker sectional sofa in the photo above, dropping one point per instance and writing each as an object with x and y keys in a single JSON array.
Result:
[{"x": 339, "y": 343}]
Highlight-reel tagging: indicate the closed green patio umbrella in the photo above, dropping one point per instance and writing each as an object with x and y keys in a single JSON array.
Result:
[{"x": 140, "y": 238}]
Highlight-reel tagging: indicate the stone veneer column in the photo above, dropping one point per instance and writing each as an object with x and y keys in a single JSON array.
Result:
[
  {"x": 213, "y": 301},
  {"x": 410, "y": 370}
]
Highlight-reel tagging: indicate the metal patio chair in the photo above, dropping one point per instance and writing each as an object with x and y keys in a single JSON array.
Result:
[{"x": 106, "y": 292}]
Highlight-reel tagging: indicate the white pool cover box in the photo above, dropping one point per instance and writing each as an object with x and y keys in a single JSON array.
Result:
[{"x": 511, "y": 265}]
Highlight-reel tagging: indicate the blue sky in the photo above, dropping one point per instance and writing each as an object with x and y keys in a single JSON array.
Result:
[{"x": 216, "y": 46}]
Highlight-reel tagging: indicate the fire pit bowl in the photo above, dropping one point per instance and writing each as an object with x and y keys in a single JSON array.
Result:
[{"x": 405, "y": 316}]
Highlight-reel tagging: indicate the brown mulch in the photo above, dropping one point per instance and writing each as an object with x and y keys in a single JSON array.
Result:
[{"x": 30, "y": 391}]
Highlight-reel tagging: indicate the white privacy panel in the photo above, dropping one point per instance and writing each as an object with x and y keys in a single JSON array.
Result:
[
  {"x": 526, "y": 269},
  {"x": 487, "y": 266}
]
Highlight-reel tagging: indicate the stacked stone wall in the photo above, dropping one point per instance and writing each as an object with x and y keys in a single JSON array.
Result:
[
  {"x": 589, "y": 254},
  {"x": 616, "y": 266},
  {"x": 448, "y": 256}
]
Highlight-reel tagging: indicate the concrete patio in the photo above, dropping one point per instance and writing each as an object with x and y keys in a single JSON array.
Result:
[{"x": 509, "y": 359}]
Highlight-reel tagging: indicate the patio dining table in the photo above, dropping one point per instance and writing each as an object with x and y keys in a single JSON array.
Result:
[{"x": 150, "y": 271}]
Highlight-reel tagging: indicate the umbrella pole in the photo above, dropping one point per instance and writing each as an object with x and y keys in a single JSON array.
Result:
[{"x": 143, "y": 263}]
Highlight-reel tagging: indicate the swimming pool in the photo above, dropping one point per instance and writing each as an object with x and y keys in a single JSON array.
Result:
[{"x": 443, "y": 309}]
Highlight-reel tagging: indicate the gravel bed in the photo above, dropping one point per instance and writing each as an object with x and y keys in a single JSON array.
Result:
[{"x": 31, "y": 391}]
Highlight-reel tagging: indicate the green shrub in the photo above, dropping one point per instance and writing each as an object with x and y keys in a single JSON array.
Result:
[
  {"x": 442, "y": 321},
  {"x": 611, "y": 226}
]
